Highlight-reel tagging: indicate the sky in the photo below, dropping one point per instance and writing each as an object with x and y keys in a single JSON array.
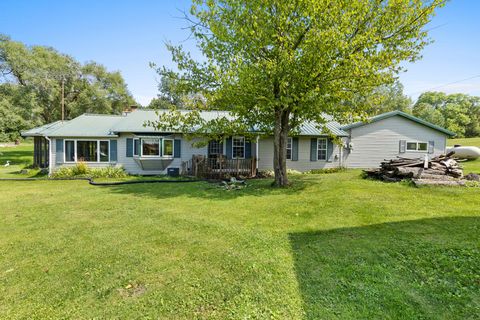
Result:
[{"x": 127, "y": 35}]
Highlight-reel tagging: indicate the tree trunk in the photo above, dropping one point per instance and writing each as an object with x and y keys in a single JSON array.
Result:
[{"x": 280, "y": 147}]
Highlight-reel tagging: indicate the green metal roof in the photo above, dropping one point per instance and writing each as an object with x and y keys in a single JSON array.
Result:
[
  {"x": 43, "y": 130},
  {"x": 86, "y": 125},
  {"x": 401, "y": 114}
]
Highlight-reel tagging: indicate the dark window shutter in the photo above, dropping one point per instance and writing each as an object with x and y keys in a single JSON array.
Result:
[
  {"x": 402, "y": 146},
  {"x": 129, "y": 147},
  {"x": 294, "y": 149},
  {"x": 248, "y": 149},
  {"x": 113, "y": 150},
  {"x": 177, "y": 148},
  {"x": 329, "y": 150},
  {"x": 136, "y": 147},
  {"x": 59, "y": 150},
  {"x": 431, "y": 146},
  {"x": 313, "y": 149},
  {"x": 228, "y": 150}
]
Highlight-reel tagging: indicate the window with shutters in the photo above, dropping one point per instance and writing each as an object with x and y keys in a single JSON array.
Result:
[
  {"x": 417, "y": 146},
  {"x": 289, "y": 148},
  {"x": 322, "y": 149},
  {"x": 87, "y": 150},
  {"x": 238, "y": 147}
]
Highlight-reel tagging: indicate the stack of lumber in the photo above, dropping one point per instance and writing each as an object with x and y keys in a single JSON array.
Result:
[{"x": 441, "y": 170}]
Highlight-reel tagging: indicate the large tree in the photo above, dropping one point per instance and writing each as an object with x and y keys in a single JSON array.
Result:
[
  {"x": 274, "y": 64},
  {"x": 39, "y": 72},
  {"x": 457, "y": 112}
]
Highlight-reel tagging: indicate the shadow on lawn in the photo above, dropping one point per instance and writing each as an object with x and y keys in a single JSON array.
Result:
[
  {"x": 425, "y": 269},
  {"x": 208, "y": 190}
]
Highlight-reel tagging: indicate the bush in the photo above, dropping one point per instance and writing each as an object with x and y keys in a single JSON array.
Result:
[
  {"x": 326, "y": 171},
  {"x": 81, "y": 170}
]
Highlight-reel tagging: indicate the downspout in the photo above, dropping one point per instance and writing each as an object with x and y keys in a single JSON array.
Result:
[
  {"x": 49, "y": 155},
  {"x": 256, "y": 153}
]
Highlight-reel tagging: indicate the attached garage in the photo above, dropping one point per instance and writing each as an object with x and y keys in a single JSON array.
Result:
[{"x": 390, "y": 135}]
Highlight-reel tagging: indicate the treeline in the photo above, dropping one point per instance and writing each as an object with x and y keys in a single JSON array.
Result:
[
  {"x": 457, "y": 112},
  {"x": 31, "y": 79}
]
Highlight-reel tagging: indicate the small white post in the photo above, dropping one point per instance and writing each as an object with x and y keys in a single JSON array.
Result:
[{"x": 425, "y": 164}]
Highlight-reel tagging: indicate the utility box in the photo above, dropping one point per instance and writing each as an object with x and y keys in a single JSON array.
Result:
[{"x": 173, "y": 172}]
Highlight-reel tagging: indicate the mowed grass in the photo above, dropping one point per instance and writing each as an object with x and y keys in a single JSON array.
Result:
[{"x": 332, "y": 246}]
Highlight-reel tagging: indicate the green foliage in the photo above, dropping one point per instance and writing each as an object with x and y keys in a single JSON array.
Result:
[
  {"x": 458, "y": 112},
  {"x": 275, "y": 64},
  {"x": 327, "y": 171},
  {"x": 385, "y": 98},
  {"x": 31, "y": 82},
  {"x": 82, "y": 170}
]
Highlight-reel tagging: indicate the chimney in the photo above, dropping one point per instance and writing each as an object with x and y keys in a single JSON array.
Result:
[{"x": 129, "y": 109}]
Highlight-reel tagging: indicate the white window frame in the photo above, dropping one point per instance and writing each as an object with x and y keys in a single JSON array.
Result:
[
  {"x": 326, "y": 149},
  {"x": 417, "y": 143},
  {"x": 139, "y": 146},
  {"x": 151, "y": 156},
  {"x": 75, "y": 157},
  {"x": 163, "y": 148},
  {"x": 290, "y": 141},
  {"x": 243, "y": 146}
]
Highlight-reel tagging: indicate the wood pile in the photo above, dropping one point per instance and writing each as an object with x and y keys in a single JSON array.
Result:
[{"x": 441, "y": 170}]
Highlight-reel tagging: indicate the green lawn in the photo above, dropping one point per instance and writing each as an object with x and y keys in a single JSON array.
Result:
[{"x": 333, "y": 246}]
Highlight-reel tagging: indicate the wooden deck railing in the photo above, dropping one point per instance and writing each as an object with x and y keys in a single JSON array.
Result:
[{"x": 219, "y": 168}]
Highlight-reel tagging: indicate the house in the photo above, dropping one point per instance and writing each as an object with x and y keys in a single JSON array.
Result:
[{"x": 112, "y": 140}]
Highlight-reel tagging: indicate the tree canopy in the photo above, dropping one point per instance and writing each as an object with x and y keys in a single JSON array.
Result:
[
  {"x": 458, "y": 112},
  {"x": 274, "y": 64},
  {"x": 31, "y": 81}
]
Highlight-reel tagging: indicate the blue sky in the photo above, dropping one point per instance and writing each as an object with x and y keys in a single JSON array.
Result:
[{"x": 127, "y": 35}]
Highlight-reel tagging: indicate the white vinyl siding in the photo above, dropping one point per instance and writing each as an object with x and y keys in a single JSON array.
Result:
[
  {"x": 377, "y": 141},
  {"x": 265, "y": 156}
]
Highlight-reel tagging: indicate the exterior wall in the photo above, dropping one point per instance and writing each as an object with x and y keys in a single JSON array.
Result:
[
  {"x": 129, "y": 163},
  {"x": 265, "y": 156},
  {"x": 377, "y": 141}
]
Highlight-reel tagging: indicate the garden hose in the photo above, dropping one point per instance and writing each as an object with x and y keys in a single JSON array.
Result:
[{"x": 93, "y": 183}]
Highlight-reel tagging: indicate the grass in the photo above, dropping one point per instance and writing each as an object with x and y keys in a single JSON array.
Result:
[{"x": 332, "y": 246}]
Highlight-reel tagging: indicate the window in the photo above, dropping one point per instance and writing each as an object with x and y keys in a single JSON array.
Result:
[
  {"x": 136, "y": 147},
  {"x": 150, "y": 147},
  {"x": 167, "y": 150},
  {"x": 69, "y": 151},
  {"x": 87, "y": 150},
  {"x": 417, "y": 146},
  {"x": 238, "y": 147},
  {"x": 104, "y": 151},
  {"x": 322, "y": 149},
  {"x": 289, "y": 148},
  {"x": 215, "y": 148}
]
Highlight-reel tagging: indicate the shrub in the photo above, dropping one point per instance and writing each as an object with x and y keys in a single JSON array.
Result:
[
  {"x": 82, "y": 170},
  {"x": 326, "y": 171}
]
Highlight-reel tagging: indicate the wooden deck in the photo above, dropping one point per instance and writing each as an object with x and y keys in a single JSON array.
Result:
[{"x": 219, "y": 168}]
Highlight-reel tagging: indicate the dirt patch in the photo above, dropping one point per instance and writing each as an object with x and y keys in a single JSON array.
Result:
[{"x": 132, "y": 290}]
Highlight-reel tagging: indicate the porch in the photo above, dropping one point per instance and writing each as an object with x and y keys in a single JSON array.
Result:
[{"x": 219, "y": 167}]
